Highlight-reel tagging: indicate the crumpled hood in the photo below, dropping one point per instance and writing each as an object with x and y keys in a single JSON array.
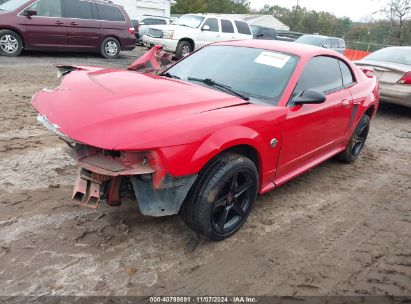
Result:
[{"x": 110, "y": 108}]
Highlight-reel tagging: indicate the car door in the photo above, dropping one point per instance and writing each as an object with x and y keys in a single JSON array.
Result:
[
  {"x": 227, "y": 30},
  {"x": 47, "y": 28},
  {"x": 314, "y": 131},
  {"x": 83, "y": 26},
  {"x": 210, "y": 32}
]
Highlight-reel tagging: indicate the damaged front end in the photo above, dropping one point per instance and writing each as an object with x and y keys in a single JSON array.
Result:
[{"x": 112, "y": 176}]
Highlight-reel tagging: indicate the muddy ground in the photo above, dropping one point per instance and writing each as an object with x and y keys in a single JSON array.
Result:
[{"x": 337, "y": 230}]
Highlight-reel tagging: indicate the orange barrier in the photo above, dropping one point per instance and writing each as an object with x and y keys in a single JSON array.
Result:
[{"x": 355, "y": 54}]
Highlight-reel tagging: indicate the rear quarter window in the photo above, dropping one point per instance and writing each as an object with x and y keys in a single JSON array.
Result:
[
  {"x": 243, "y": 28},
  {"x": 346, "y": 73},
  {"x": 110, "y": 13}
]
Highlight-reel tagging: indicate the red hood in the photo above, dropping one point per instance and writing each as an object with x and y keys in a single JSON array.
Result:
[{"x": 108, "y": 108}]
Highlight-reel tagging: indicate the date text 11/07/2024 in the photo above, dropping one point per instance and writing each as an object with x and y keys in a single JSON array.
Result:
[{"x": 203, "y": 299}]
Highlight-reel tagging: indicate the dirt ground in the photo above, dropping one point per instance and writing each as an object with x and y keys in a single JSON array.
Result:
[{"x": 337, "y": 230}]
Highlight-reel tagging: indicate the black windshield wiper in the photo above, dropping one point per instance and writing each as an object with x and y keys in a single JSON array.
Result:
[
  {"x": 168, "y": 75},
  {"x": 214, "y": 84}
]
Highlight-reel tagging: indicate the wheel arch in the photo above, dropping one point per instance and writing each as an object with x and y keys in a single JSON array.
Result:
[
  {"x": 114, "y": 37},
  {"x": 371, "y": 111},
  {"x": 17, "y": 31},
  {"x": 189, "y": 40}
]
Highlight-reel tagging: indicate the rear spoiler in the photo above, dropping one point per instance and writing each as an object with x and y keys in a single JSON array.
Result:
[{"x": 368, "y": 71}]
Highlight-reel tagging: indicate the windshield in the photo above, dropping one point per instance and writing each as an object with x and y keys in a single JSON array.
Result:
[
  {"x": 11, "y": 5},
  {"x": 311, "y": 40},
  {"x": 189, "y": 21},
  {"x": 258, "y": 74},
  {"x": 396, "y": 55}
]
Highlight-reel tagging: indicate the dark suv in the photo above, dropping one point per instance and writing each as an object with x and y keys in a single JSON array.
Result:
[{"x": 65, "y": 25}]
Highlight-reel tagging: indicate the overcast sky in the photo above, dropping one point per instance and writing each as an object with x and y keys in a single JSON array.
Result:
[{"x": 355, "y": 9}]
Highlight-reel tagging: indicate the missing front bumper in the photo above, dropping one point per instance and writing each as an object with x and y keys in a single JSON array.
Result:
[{"x": 164, "y": 201}]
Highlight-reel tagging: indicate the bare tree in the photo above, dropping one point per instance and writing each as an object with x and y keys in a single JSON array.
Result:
[{"x": 398, "y": 12}]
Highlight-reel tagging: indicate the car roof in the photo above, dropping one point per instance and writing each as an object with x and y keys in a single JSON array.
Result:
[
  {"x": 322, "y": 36},
  {"x": 398, "y": 47},
  {"x": 154, "y": 17},
  {"x": 217, "y": 16},
  {"x": 106, "y": 3},
  {"x": 300, "y": 50}
]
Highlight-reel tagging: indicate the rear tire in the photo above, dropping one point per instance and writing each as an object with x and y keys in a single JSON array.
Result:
[
  {"x": 221, "y": 200},
  {"x": 184, "y": 48},
  {"x": 110, "y": 48},
  {"x": 11, "y": 43},
  {"x": 357, "y": 141}
]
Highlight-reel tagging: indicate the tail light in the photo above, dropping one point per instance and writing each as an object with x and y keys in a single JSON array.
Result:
[
  {"x": 406, "y": 79},
  {"x": 132, "y": 31}
]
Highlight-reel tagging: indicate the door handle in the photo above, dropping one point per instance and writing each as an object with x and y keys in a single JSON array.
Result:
[
  {"x": 346, "y": 103},
  {"x": 73, "y": 23},
  {"x": 59, "y": 23}
]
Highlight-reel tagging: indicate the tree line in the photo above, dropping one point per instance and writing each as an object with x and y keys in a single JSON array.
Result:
[{"x": 393, "y": 26}]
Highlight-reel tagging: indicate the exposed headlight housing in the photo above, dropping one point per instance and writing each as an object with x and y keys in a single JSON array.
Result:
[
  {"x": 55, "y": 129},
  {"x": 168, "y": 34}
]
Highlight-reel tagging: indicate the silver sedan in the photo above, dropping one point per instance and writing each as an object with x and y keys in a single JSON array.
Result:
[{"x": 393, "y": 69}]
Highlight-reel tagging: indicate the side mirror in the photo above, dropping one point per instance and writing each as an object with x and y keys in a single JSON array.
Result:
[
  {"x": 325, "y": 46},
  {"x": 310, "y": 97},
  {"x": 29, "y": 13},
  {"x": 141, "y": 23},
  {"x": 206, "y": 28}
]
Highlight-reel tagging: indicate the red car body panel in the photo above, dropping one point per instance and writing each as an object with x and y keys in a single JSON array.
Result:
[{"x": 186, "y": 125}]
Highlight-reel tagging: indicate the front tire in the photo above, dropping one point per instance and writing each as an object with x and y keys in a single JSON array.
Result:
[
  {"x": 221, "y": 200},
  {"x": 110, "y": 48},
  {"x": 357, "y": 141},
  {"x": 184, "y": 48},
  {"x": 11, "y": 44}
]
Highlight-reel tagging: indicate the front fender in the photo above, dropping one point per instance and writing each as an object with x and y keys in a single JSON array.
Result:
[
  {"x": 225, "y": 139},
  {"x": 190, "y": 159}
]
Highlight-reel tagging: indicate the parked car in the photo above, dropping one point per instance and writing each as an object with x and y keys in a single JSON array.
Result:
[
  {"x": 191, "y": 32},
  {"x": 393, "y": 69},
  {"x": 64, "y": 25},
  {"x": 141, "y": 25},
  {"x": 263, "y": 33},
  {"x": 332, "y": 43},
  {"x": 202, "y": 139}
]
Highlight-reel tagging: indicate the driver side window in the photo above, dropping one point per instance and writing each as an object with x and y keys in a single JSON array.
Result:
[
  {"x": 47, "y": 8},
  {"x": 321, "y": 73},
  {"x": 213, "y": 24}
]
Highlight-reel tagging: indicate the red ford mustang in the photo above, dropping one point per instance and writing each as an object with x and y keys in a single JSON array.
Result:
[{"x": 230, "y": 121}]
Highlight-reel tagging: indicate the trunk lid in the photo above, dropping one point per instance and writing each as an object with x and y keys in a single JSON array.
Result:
[{"x": 386, "y": 72}]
